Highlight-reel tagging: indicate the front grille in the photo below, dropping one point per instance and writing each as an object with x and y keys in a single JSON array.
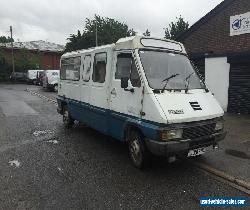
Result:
[
  {"x": 201, "y": 143},
  {"x": 198, "y": 131}
]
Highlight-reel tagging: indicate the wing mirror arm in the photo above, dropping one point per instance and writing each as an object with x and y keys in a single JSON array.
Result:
[{"x": 126, "y": 84}]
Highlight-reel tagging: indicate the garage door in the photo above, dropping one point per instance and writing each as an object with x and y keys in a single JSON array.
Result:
[{"x": 239, "y": 88}]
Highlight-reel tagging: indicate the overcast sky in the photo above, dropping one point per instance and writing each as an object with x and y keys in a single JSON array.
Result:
[{"x": 54, "y": 20}]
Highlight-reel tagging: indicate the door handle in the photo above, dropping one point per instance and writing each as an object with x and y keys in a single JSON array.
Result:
[{"x": 113, "y": 92}]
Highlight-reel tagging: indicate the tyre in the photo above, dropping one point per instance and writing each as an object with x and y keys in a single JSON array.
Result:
[
  {"x": 138, "y": 152},
  {"x": 56, "y": 88},
  {"x": 67, "y": 120}
]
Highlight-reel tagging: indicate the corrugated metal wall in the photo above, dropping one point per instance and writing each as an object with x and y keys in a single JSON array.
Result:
[{"x": 239, "y": 88}]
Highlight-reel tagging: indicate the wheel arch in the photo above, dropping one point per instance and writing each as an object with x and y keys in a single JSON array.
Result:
[{"x": 131, "y": 126}]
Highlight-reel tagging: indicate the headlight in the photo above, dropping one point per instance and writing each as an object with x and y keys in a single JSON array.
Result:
[
  {"x": 219, "y": 125},
  {"x": 167, "y": 135}
]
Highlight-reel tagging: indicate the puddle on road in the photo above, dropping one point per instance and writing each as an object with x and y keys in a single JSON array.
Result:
[
  {"x": 43, "y": 132},
  {"x": 14, "y": 163},
  {"x": 237, "y": 153}
]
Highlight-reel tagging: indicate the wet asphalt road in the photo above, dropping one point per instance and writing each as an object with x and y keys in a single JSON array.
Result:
[{"x": 54, "y": 168}]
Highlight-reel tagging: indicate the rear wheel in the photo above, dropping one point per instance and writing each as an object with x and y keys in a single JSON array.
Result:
[
  {"x": 67, "y": 120},
  {"x": 137, "y": 150}
]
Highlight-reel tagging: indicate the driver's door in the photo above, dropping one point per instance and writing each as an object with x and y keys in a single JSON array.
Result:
[{"x": 124, "y": 102}]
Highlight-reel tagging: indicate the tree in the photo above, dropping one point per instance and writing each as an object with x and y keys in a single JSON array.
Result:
[
  {"x": 4, "y": 39},
  {"x": 108, "y": 31},
  {"x": 27, "y": 60},
  {"x": 5, "y": 68},
  {"x": 146, "y": 33},
  {"x": 175, "y": 29},
  {"x": 24, "y": 61}
]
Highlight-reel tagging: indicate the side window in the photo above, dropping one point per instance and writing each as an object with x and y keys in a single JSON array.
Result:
[
  {"x": 70, "y": 68},
  {"x": 87, "y": 68},
  {"x": 125, "y": 67},
  {"x": 99, "y": 70},
  {"x": 134, "y": 76}
]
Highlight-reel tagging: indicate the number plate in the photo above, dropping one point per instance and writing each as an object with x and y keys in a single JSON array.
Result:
[{"x": 195, "y": 152}]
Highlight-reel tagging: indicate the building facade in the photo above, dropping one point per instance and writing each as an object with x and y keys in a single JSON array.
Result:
[
  {"x": 219, "y": 44},
  {"x": 45, "y": 55}
]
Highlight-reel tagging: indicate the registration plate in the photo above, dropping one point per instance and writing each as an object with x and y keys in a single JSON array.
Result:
[{"x": 195, "y": 152}]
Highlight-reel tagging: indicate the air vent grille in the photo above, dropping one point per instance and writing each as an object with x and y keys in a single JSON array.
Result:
[{"x": 195, "y": 106}]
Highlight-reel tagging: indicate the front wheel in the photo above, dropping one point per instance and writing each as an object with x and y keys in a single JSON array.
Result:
[
  {"x": 67, "y": 120},
  {"x": 137, "y": 150}
]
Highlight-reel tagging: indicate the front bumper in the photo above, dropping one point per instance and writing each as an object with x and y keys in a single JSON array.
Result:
[{"x": 182, "y": 146}]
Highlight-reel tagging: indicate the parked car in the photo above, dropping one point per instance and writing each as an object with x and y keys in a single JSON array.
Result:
[
  {"x": 32, "y": 76},
  {"x": 143, "y": 91},
  {"x": 50, "y": 79},
  {"x": 18, "y": 76}
]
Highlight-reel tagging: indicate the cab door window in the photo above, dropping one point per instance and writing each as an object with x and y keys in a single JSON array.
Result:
[
  {"x": 134, "y": 76},
  {"x": 125, "y": 67}
]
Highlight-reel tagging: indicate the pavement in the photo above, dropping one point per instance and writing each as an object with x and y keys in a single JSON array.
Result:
[
  {"x": 44, "y": 166},
  {"x": 233, "y": 156}
]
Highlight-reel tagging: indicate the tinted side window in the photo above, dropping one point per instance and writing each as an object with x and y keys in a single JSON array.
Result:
[
  {"x": 99, "y": 70},
  {"x": 87, "y": 68},
  {"x": 125, "y": 67},
  {"x": 70, "y": 68},
  {"x": 134, "y": 76}
]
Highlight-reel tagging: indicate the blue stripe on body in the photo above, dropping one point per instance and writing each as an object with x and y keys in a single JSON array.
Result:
[{"x": 107, "y": 121}]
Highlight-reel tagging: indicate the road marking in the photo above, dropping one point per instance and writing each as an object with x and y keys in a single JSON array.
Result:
[
  {"x": 43, "y": 132},
  {"x": 15, "y": 163},
  {"x": 42, "y": 96},
  {"x": 235, "y": 182},
  {"x": 45, "y": 138},
  {"x": 53, "y": 141}
]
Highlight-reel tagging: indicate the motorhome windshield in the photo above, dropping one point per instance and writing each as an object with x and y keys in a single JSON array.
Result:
[{"x": 169, "y": 71}]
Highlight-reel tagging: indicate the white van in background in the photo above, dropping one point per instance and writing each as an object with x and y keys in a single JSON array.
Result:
[
  {"x": 50, "y": 79},
  {"x": 32, "y": 76},
  {"x": 39, "y": 78},
  {"x": 143, "y": 91}
]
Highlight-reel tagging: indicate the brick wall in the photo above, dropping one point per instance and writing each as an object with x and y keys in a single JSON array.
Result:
[
  {"x": 46, "y": 60},
  {"x": 51, "y": 60},
  {"x": 214, "y": 35}
]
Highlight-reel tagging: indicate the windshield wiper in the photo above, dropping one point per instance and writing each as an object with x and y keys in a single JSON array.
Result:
[
  {"x": 167, "y": 79},
  {"x": 187, "y": 80}
]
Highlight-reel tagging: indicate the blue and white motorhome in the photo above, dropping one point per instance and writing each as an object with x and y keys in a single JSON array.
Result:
[{"x": 142, "y": 91}]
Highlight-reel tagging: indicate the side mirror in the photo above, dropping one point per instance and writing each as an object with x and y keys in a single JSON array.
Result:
[{"x": 124, "y": 82}]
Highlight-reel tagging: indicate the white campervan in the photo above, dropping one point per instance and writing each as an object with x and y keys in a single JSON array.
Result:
[
  {"x": 32, "y": 76},
  {"x": 143, "y": 91},
  {"x": 50, "y": 79}
]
